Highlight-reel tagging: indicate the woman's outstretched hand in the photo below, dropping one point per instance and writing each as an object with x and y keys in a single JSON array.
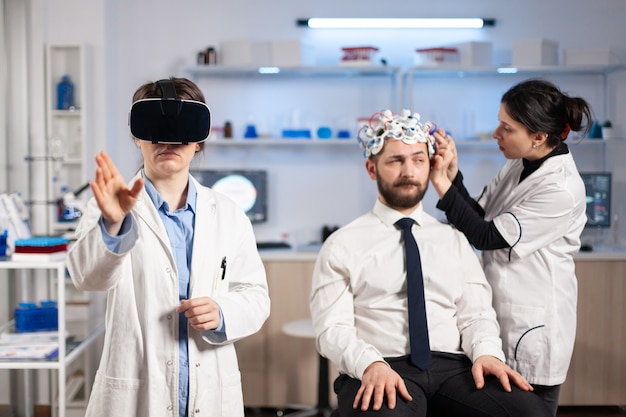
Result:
[{"x": 112, "y": 194}]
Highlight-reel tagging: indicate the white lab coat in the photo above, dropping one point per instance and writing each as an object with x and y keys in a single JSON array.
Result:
[
  {"x": 138, "y": 373},
  {"x": 534, "y": 282}
]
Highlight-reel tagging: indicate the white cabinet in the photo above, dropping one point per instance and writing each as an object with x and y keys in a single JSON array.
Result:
[
  {"x": 68, "y": 353},
  {"x": 65, "y": 129}
]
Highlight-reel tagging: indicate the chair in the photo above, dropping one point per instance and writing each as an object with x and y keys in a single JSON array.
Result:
[{"x": 304, "y": 328}]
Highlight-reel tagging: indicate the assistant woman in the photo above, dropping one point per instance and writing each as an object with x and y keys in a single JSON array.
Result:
[{"x": 527, "y": 223}]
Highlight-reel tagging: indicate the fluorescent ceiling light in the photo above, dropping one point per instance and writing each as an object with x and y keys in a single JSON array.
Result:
[{"x": 395, "y": 23}]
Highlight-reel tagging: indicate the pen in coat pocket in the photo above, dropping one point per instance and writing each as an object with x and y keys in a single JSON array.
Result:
[{"x": 223, "y": 268}]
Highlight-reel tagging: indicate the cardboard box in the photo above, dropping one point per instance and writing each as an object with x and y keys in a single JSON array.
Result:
[
  {"x": 532, "y": 52},
  {"x": 475, "y": 54},
  {"x": 244, "y": 53},
  {"x": 291, "y": 53},
  {"x": 589, "y": 56}
]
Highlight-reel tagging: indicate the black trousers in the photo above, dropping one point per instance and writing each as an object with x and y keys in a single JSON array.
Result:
[{"x": 445, "y": 389}]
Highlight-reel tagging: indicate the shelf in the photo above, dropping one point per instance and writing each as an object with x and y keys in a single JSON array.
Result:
[
  {"x": 471, "y": 143},
  {"x": 460, "y": 72},
  {"x": 433, "y": 71},
  {"x": 68, "y": 351},
  {"x": 279, "y": 142},
  {"x": 66, "y": 113},
  {"x": 70, "y": 161},
  {"x": 73, "y": 350},
  {"x": 490, "y": 143},
  {"x": 308, "y": 71},
  {"x": 297, "y": 89},
  {"x": 60, "y": 159}
]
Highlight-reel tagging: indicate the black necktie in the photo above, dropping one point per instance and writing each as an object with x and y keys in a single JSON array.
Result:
[{"x": 418, "y": 327}]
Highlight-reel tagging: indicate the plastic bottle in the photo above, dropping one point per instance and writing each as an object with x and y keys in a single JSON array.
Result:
[
  {"x": 65, "y": 94},
  {"x": 3, "y": 243}
]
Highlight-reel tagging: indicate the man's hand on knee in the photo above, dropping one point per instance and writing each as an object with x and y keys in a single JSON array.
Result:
[
  {"x": 490, "y": 365},
  {"x": 378, "y": 381}
]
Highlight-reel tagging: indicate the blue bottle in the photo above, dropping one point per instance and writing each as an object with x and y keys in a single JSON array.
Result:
[
  {"x": 3, "y": 243},
  {"x": 65, "y": 94}
]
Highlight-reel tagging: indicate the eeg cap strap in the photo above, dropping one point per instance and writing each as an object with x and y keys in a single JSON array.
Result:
[{"x": 168, "y": 119}]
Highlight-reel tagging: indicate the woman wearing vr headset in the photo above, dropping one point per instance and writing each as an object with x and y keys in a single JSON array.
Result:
[{"x": 180, "y": 264}]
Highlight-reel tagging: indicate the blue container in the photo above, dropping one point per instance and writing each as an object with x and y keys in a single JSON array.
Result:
[
  {"x": 65, "y": 94},
  {"x": 324, "y": 132},
  {"x": 32, "y": 318},
  {"x": 250, "y": 132},
  {"x": 3, "y": 242}
]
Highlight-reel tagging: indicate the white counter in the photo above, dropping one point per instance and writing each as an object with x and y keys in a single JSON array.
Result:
[
  {"x": 288, "y": 255},
  {"x": 601, "y": 255}
]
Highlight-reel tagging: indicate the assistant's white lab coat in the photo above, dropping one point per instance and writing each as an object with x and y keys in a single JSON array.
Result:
[
  {"x": 138, "y": 373},
  {"x": 534, "y": 282}
]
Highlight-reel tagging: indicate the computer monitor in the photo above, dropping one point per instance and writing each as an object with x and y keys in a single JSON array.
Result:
[
  {"x": 247, "y": 188},
  {"x": 598, "y": 191}
]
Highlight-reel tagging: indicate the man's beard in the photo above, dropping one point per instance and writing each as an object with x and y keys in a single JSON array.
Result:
[{"x": 395, "y": 199}]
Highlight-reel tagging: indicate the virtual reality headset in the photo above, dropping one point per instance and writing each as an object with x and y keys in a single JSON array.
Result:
[{"x": 168, "y": 119}]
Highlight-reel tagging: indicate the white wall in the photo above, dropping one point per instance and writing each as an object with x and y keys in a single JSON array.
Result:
[
  {"x": 134, "y": 42},
  {"x": 147, "y": 40},
  {"x": 143, "y": 40}
]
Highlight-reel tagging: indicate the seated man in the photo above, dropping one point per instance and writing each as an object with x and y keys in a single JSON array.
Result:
[{"x": 446, "y": 360}]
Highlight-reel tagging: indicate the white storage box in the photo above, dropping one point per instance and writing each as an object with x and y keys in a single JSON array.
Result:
[
  {"x": 475, "y": 54},
  {"x": 243, "y": 52},
  {"x": 291, "y": 53},
  {"x": 530, "y": 52},
  {"x": 589, "y": 56}
]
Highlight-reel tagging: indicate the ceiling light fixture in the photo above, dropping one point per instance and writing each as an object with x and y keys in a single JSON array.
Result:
[{"x": 396, "y": 23}]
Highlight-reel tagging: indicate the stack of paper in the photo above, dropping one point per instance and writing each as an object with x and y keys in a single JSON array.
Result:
[{"x": 27, "y": 346}]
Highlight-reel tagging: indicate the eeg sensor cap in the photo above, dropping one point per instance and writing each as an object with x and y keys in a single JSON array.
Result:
[
  {"x": 387, "y": 125},
  {"x": 168, "y": 119}
]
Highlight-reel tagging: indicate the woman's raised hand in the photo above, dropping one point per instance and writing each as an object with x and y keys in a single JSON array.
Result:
[{"x": 111, "y": 192}]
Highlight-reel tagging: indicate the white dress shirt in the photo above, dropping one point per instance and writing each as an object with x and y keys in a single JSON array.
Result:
[{"x": 358, "y": 298}]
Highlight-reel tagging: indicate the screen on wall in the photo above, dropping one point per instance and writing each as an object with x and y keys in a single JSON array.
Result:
[
  {"x": 598, "y": 191},
  {"x": 247, "y": 188}
]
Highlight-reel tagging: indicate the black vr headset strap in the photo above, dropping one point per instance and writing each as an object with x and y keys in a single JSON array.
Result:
[
  {"x": 169, "y": 108},
  {"x": 167, "y": 88}
]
